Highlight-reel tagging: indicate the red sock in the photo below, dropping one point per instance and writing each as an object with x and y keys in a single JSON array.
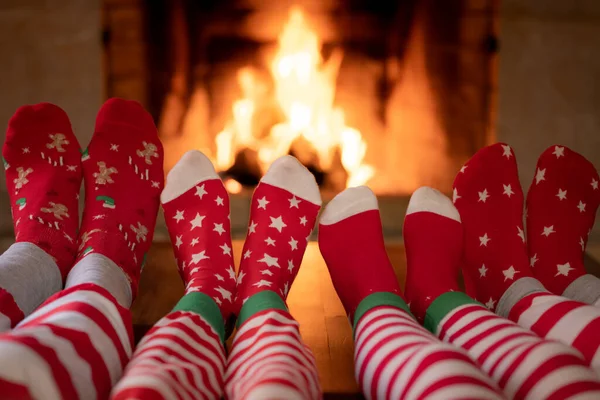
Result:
[
  {"x": 196, "y": 208},
  {"x": 561, "y": 208},
  {"x": 489, "y": 199},
  {"x": 123, "y": 173},
  {"x": 43, "y": 175},
  {"x": 433, "y": 238},
  {"x": 351, "y": 241},
  {"x": 283, "y": 212}
]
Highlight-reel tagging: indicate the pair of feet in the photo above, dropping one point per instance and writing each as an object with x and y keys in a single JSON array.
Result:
[
  {"x": 283, "y": 212},
  {"x": 483, "y": 230},
  {"x": 123, "y": 173}
]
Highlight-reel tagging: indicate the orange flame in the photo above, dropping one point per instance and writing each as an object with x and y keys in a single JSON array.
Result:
[{"x": 305, "y": 91}]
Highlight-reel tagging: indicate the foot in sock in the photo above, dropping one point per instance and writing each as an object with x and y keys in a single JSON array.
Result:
[
  {"x": 284, "y": 209},
  {"x": 434, "y": 242},
  {"x": 489, "y": 199},
  {"x": 562, "y": 203},
  {"x": 196, "y": 207},
  {"x": 351, "y": 222},
  {"x": 389, "y": 343},
  {"x": 43, "y": 174},
  {"x": 123, "y": 174}
]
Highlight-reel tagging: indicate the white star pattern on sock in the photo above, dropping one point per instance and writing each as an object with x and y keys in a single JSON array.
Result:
[
  {"x": 483, "y": 240},
  {"x": 548, "y": 230},
  {"x": 540, "y": 175},
  {"x": 509, "y": 273},
  {"x": 483, "y": 196},
  {"x": 508, "y": 190},
  {"x": 563, "y": 269},
  {"x": 559, "y": 151},
  {"x": 562, "y": 194}
]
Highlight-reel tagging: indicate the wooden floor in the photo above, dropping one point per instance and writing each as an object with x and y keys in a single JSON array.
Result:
[{"x": 312, "y": 301}]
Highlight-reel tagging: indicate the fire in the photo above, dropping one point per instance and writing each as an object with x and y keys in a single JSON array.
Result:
[{"x": 304, "y": 90}]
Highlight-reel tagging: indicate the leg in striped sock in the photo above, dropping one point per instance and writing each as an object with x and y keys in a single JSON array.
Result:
[
  {"x": 490, "y": 202},
  {"x": 395, "y": 357},
  {"x": 268, "y": 358},
  {"x": 74, "y": 346},
  {"x": 183, "y": 355},
  {"x": 524, "y": 365}
]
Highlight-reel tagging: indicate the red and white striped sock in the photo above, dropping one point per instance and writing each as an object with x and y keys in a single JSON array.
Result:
[
  {"x": 268, "y": 358},
  {"x": 554, "y": 317},
  {"x": 520, "y": 362},
  {"x": 74, "y": 346},
  {"x": 43, "y": 174},
  {"x": 488, "y": 196},
  {"x": 183, "y": 355},
  {"x": 123, "y": 173},
  {"x": 394, "y": 356},
  {"x": 561, "y": 208}
]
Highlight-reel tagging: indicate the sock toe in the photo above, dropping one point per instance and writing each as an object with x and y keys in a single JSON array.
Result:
[
  {"x": 350, "y": 202},
  {"x": 193, "y": 168},
  {"x": 125, "y": 112},
  {"x": 426, "y": 199},
  {"x": 289, "y": 174}
]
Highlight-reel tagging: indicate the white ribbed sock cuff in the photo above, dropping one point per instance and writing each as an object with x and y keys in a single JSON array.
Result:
[
  {"x": 100, "y": 270},
  {"x": 585, "y": 289},
  {"x": 29, "y": 274}
]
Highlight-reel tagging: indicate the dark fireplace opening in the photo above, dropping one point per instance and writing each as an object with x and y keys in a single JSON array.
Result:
[{"x": 393, "y": 94}]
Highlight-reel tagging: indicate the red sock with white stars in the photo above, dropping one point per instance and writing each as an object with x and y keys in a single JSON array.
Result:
[
  {"x": 268, "y": 358},
  {"x": 196, "y": 207},
  {"x": 488, "y": 196},
  {"x": 561, "y": 208},
  {"x": 284, "y": 209},
  {"x": 431, "y": 221},
  {"x": 123, "y": 174},
  {"x": 43, "y": 175}
]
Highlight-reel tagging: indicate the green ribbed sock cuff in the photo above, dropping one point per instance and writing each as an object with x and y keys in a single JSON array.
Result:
[
  {"x": 441, "y": 306},
  {"x": 204, "y": 306},
  {"x": 376, "y": 300},
  {"x": 265, "y": 300}
]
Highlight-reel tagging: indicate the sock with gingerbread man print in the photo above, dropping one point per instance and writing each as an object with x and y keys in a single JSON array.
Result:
[
  {"x": 123, "y": 175},
  {"x": 283, "y": 213},
  {"x": 41, "y": 159},
  {"x": 561, "y": 204}
]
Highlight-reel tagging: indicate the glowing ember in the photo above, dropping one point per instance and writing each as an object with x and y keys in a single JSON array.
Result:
[{"x": 304, "y": 91}]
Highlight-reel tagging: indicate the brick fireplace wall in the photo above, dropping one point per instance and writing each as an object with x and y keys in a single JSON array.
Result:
[{"x": 51, "y": 51}]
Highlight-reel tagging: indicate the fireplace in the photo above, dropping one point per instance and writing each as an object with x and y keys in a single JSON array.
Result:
[{"x": 392, "y": 94}]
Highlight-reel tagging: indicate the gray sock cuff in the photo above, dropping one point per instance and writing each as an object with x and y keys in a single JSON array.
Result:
[
  {"x": 100, "y": 270},
  {"x": 516, "y": 292},
  {"x": 29, "y": 274},
  {"x": 585, "y": 289}
]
